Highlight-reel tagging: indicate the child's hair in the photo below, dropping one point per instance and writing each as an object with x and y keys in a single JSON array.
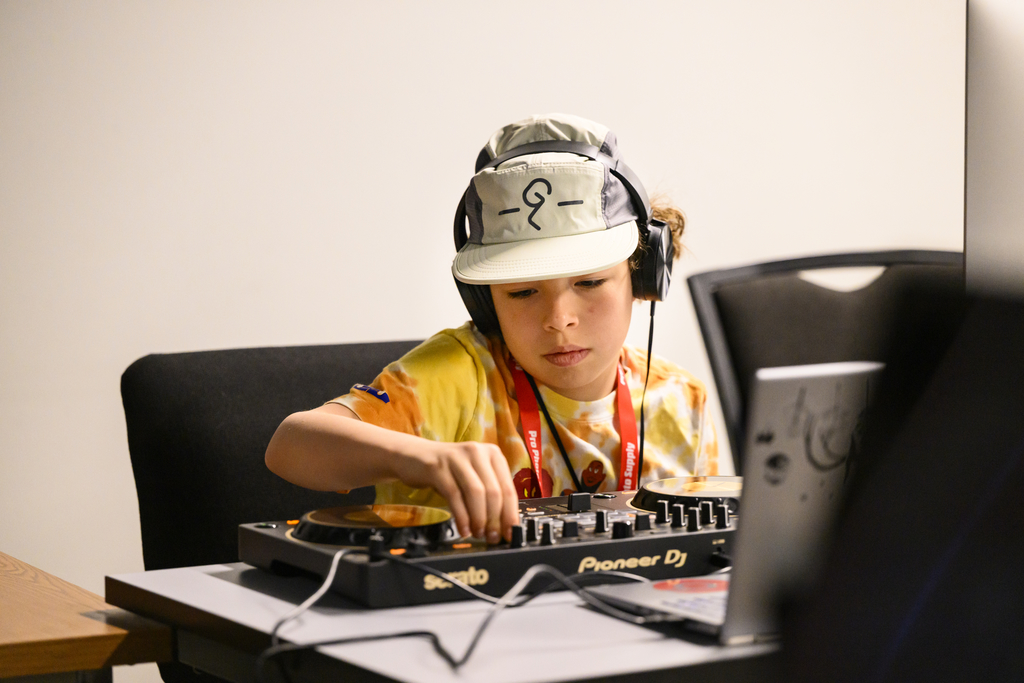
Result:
[{"x": 664, "y": 210}]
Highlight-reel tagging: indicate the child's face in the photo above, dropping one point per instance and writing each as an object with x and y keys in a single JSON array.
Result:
[{"x": 568, "y": 332}]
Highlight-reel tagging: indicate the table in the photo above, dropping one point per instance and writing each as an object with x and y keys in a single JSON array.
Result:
[
  {"x": 223, "y": 614},
  {"x": 49, "y": 626}
]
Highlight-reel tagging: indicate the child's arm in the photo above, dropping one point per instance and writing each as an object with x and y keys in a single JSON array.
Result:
[{"x": 331, "y": 449}]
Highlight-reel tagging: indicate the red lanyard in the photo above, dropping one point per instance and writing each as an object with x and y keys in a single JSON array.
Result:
[{"x": 529, "y": 415}]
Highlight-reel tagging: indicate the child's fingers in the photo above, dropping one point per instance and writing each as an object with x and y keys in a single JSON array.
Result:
[
  {"x": 485, "y": 459},
  {"x": 447, "y": 486},
  {"x": 475, "y": 480},
  {"x": 472, "y": 490}
]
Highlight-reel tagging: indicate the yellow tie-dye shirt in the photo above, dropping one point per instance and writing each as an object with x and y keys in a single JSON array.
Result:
[{"x": 456, "y": 386}]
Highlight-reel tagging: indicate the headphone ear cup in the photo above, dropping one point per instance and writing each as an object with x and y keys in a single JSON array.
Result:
[
  {"x": 477, "y": 298},
  {"x": 652, "y": 278},
  {"x": 480, "y": 305}
]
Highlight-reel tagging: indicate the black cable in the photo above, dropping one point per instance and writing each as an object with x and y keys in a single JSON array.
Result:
[
  {"x": 510, "y": 599},
  {"x": 643, "y": 397},
  {"x": 520, "y": 586},
  {"x": 554, "y": 432},
  {"x": 271, "y": 652}
]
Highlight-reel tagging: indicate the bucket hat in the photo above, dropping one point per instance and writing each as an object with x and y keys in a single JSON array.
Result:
[{"x": 549, "y": 214}]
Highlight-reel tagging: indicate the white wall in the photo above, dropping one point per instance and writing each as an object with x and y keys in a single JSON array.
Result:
[
  {"x": 193, "y": 175},
  {"x": 994, "y": 220}
]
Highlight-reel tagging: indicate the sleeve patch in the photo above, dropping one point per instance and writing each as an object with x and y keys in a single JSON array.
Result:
[{"x": 379, "y": 393}]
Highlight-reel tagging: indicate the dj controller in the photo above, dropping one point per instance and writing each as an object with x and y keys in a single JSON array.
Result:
[{"x": 668, "y": 529}]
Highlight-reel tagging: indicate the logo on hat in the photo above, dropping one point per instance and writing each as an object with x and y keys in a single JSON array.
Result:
[
  {"x": 539, "y": 201},
  {"x": 538, "y": 195}
]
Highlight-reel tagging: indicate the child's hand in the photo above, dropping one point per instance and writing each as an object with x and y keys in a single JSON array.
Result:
[
  {"x": 475, "y": 480},
  {"x": 330, "y": 449}
]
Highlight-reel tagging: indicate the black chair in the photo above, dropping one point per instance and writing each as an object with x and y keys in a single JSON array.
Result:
[
  {"x": 198, "y": 427},
  {"x": 766, "y": 315}
]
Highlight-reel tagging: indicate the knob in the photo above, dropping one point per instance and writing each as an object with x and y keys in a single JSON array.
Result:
[
  {"x": 375, "y": 546},
  {"x": 601, "y": 523},
  {"x": 579, "y": 502},
  {"x": 643, "y": 522},
  {"x": 518, "y": 540},
  {"x": 570, "y": 529},
  {"x": 531, "y": 529},
  {"x": 622, "y": 529},
  {"x": 693, "y": 519},
  {"x": 678, "y": 515},
  {"x": 707, "y": 512},
  {"x": 417, "y": 547},
  {"x": 547, "y": 536},
  {"x": 723, "y": 519},
  {"x": 662, "y": 512}
]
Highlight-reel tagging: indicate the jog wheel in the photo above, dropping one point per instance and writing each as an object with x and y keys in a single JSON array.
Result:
[
  {"x": 398, "y": 525},
  {"x": 690, "y": 492}
]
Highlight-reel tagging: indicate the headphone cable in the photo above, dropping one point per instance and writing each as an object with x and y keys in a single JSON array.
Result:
[
  {"x": 643, "y": 398},
  {"x": 554, "y": 432}
]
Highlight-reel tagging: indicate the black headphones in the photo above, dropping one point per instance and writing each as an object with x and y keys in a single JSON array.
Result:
[{"x": 650, "y": 280}]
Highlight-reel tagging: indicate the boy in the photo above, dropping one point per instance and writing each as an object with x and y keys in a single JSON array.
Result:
[{"x": 562, "y": 241}]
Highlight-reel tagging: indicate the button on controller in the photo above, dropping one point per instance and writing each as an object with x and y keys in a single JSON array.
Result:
[
  {"x": 622, "y": 529},
  {"x": 693, "y": 519},
  {"x": 531, "y": 529},
  {"x": 579, "y": 502},
  {"x": 662, "y": 512},
  {"x": 678, "y": 516},
  {"x": 417, "y": 547},
  {"x": 707, "y": 512},
  {"x": 723, "y": 519}
]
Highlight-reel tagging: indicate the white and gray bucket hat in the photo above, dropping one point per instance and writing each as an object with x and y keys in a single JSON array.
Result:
[{"x": 550, "y": 199}]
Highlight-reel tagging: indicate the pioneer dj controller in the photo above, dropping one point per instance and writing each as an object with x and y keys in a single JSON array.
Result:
[{"x": 670, "y": 528}]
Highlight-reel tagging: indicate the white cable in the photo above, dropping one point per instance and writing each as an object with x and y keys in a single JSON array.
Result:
[{"x": 311, "y": 600}]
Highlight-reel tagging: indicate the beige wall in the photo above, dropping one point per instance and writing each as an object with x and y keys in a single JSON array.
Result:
[{"x": 194, "y": 175}]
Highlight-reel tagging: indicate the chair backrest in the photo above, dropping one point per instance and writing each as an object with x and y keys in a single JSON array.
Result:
[
  {"x": 198, "y": 427},
  {"x": 767, "y": 315}
]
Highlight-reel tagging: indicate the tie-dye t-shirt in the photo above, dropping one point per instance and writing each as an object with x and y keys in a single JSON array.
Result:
[{"x": 456, "y": 386}]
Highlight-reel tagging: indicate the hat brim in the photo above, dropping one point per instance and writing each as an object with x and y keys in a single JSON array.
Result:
[{"x": 545, "y": 258}]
